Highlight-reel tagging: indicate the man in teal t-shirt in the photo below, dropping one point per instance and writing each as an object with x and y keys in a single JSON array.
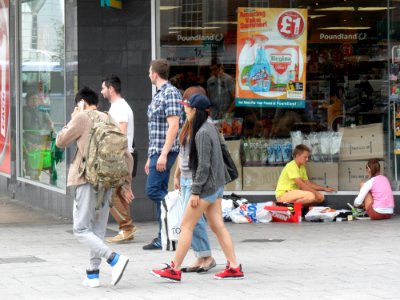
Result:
[{"x": 293, "y": 184}]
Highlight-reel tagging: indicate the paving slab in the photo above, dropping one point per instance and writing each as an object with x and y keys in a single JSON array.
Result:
[{"x": 41, "y": 259}]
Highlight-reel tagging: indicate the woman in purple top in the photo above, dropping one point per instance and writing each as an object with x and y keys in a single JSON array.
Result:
[{"x": 376, "y": 195}]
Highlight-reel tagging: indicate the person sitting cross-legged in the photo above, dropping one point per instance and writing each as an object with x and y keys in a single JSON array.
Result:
[
  {"x": 293, "y": 184},
  {"x": 376, "y": 195}
]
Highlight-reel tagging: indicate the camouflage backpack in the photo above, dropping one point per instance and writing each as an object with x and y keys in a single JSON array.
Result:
[{"x": 104, "y": 164}]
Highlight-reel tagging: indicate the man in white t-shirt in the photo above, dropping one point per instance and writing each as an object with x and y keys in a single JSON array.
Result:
[{"x": 122, "y": 113}]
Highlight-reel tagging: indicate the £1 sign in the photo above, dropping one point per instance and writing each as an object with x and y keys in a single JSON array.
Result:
[{"x": 290, "y": 25}]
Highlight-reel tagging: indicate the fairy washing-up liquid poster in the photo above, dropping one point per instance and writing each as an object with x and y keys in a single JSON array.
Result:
[{"x": 271, "y": 57}]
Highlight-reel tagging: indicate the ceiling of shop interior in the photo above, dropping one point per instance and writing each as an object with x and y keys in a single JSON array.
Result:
[{"x": 363, "y": 14}]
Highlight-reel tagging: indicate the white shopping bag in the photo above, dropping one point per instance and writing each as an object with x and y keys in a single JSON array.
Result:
[
  {"x": 227, "y": 207},
  {"x": 321, "y": 214},
  {"x": 251, "y": 213},
  {"x": 171, "y": 216}
]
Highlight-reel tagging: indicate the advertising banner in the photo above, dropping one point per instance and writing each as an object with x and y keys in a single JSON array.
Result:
[
  {"x": 271, "y": 57},
  {"x": 5, "y": 161}
]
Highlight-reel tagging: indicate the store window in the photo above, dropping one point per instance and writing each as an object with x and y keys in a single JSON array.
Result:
[
  {"x": 339, "y": 74},
  {"x": 42, "y": 91}
]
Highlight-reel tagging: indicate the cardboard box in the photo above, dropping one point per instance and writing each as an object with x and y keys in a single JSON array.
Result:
[
  {"x": 323, "y": 173},
  {"x": 261, "y": 178},
  {"x": 362, "y": 142},
  {"x": 351, "y": 173}
]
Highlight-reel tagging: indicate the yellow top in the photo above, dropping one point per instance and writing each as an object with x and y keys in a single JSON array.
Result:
[{"x": 286, "y": 180}]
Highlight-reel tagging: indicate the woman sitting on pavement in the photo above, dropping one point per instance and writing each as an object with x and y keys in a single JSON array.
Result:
[
  {"x": 183, "y": 182},
  {"x": 209, "y": 177},
  {"x": 376, "y": 195},
  {"x": 293, "y": 184}
]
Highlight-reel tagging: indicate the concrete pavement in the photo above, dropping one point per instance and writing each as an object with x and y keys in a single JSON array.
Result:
[{"x": 41, "y": 259}]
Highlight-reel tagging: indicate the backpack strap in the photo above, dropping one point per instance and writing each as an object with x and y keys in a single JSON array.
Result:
[
  {"x": 94, "y": 117},
  {"x": 99, "y": 192}
]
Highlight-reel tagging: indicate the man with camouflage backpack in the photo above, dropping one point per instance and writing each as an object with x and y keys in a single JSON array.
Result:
[{"x": 100, "y": 164}]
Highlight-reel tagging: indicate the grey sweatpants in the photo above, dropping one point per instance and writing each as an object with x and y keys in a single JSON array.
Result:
[{"x": 89, "y": 228}]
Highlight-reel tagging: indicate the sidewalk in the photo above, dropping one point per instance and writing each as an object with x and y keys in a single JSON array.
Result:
[{"x": 41, "y": 259}]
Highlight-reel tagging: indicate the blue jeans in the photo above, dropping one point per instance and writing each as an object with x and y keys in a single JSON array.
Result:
[
  {"x": 157, "y": 186},
  {"x": 200, "y": 242}
]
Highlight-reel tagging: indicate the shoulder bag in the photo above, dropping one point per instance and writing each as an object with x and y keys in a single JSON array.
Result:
[{"x": 228, "y": 161}]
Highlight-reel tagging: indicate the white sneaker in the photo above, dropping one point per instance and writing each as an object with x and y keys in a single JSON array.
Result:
[
  {"x": 118, "y": 266},
  {"x": 92, "y": 279}
]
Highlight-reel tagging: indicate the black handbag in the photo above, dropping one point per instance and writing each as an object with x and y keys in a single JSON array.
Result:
[{"x": 229, "y": 163}]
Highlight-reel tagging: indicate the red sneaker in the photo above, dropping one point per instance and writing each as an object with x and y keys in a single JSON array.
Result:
[
  {"x": 230, "y": 273},
  {"x": 168, "y": 273}
]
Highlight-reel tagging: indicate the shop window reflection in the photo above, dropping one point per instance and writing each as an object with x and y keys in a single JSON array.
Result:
[
  {"x": 42, "y": 100},
  {"x": 346, "y": 76}
]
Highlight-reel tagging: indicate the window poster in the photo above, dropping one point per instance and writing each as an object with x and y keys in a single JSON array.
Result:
[
  {"x": 271, "y": 57},
  {"x": 4, "y": 91}
]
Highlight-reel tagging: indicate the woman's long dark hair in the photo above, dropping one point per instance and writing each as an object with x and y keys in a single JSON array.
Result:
[{"x": 199, "y": 118}]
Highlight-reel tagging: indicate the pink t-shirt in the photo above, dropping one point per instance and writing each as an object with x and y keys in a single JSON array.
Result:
[{"x": 381, "y": 192}]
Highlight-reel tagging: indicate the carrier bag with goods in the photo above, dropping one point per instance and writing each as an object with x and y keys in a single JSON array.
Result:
[
  {"x": 171, "y": 217},
  {"x": 321, "y": 214},
  {"x": 251, "y": 213},
  {"x": 229, "y": 203}
]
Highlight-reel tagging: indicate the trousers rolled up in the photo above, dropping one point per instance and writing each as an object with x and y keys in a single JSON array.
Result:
[{"x": 200, "y": 242}]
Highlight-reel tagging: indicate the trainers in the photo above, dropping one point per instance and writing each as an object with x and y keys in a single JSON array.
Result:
[
  {"x": 118, "y": 264},
  {"x": 122, "y": 236},
  {"x": 168, "y": 273},
  {"x": 230, "y": 273},
  {"x": 154, "y": 245},
  {"x": 92, "y": 279},
  {"x": 357, "y": 212}
]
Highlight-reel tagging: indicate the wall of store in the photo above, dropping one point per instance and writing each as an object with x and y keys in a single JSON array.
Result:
[
  {"x": 119, "y": 42},
  {"x": 100, "y": 41},
  {"x": 108, "y": 41}
]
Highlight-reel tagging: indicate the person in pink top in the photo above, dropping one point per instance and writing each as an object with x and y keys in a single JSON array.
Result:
[{"x": 376, "y": 195}]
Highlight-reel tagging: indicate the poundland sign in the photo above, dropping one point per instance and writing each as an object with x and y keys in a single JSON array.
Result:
[
  {"x": 345, "y": 36},
  {"x": 111, "y": 3}
]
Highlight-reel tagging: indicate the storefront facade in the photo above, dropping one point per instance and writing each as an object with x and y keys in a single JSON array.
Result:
[{"x": 278, "y": 73}]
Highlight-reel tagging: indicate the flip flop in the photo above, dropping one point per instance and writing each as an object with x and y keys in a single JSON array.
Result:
[
  {"x": 207, "y": 268},
  {"x": 190, "y": 269}
]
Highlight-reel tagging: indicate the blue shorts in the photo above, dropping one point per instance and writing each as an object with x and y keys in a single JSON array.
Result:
[{"x": 217, "y": 195}]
